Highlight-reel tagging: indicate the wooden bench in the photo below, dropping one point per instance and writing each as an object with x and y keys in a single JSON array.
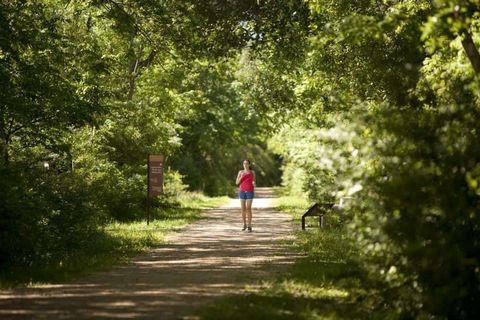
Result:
[{"x": 321, "y": 209}]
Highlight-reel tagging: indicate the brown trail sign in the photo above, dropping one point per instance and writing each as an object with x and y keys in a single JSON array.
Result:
[{"x": 155, "y": 179}]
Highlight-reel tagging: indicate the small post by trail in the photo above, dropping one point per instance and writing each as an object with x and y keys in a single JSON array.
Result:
[{"x": 155, "y": 179}]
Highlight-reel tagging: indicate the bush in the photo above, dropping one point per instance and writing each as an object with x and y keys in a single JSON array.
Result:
[
  {"x": 419, "y": 221},
  {"x": 44, "y": 216},
  {"x": 124, "y": 192}
]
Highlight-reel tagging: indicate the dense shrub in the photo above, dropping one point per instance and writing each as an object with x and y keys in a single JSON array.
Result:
[{"x": 44, "y": 216}]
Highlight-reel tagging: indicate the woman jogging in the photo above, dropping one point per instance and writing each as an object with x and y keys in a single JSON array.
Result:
[{"x": 246, "y": 185}]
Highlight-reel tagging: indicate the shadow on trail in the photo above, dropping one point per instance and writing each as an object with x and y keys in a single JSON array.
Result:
[
  {"x": 207, "y": 259},
  {"x": 327, "y": 294}
]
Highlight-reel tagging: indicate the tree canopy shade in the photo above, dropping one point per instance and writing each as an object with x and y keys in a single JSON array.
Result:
[
  {"x": 42, "y": 67},
  {"x": 402, "y": 90},
  {"x": 377, "y": 100},
  {"x": 90, "y": 88}
]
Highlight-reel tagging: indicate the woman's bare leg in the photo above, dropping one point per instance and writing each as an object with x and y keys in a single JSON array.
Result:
[
  {"x": 248, "y": 209},
  {"x": 244, "y": 212}
]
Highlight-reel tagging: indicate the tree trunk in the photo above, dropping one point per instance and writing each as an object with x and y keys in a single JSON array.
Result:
[
  {"x": 131, "y": 86},
  {"x": 471, "y": 50},
  {"x": 6, "y": 155},
  {"x": 135, "y": 70},
  {"x": 131, "y": 79},
  {"x": 467, "y": 41}
]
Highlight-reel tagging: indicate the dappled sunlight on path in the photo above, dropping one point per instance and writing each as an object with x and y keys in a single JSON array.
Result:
[{"x": 204, "y": 260}]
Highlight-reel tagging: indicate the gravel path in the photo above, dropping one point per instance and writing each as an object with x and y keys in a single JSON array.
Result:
[{"x": 207, "y": 259}]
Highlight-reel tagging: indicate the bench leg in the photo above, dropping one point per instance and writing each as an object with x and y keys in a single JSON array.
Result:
[
  {"x": 303, "y": 223},
  {"x": 321, "y": 221}
]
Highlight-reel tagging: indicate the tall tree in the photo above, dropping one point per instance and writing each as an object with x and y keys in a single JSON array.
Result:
[{"x": 46, "y": 81}]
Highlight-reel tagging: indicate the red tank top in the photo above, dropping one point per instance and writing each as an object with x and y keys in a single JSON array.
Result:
[{"x": 246, "y": 181}]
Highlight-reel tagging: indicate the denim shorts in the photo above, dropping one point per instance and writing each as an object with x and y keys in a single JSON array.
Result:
[{"x": 245, "y": 195}]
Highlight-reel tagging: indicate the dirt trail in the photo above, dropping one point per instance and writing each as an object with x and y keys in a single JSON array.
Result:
[{"x": 207, "y": 259}]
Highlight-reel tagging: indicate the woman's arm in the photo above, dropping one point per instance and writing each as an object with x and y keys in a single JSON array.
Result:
[
  {"x": 253, "y": 181},
  {"x": 239, "y": 176}
]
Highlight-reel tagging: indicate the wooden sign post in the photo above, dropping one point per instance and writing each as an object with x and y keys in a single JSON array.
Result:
[{"x": 155, "y": 179}]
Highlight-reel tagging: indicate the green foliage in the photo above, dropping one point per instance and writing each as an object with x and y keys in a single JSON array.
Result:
[
  {"x": 47, "y": 86},
  {"x": 218, "y": 130},
  {"x": 372, "y": 99},
  {"x": 397, "y": 100},
  {"x": 45, "y": 216},
  {"x": 318, "y": 162},
  {"x": 328, "y": 282},
  {"x": 112, "y": 244},
  {"x": 89, "y": 88},
  {"x": 423, "y": 242},
  {"x": 410, "y": 122}
]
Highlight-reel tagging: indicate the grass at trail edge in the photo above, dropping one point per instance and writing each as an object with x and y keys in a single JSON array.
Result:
[
  {"x": 112, "y": 245},
  {"x": 327, "y": 283}
]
